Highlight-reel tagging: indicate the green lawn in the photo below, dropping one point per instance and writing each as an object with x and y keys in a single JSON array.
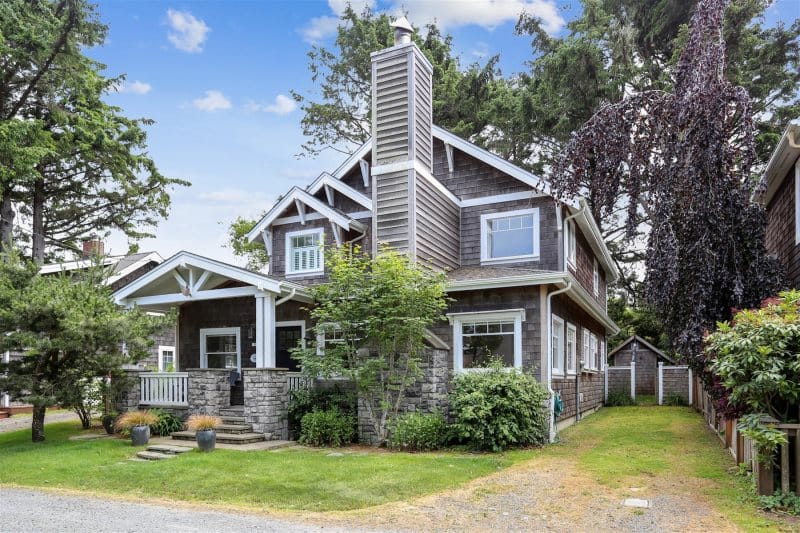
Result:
[{"x": 292, "y": 479}]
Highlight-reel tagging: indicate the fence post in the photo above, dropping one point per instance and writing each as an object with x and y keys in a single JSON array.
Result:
[
  {"x": 633, "y": 380},
  {"x": 691, "y": 387},
  {"x": 605, "y": 389},
  {"x": 660, "y": 382}
]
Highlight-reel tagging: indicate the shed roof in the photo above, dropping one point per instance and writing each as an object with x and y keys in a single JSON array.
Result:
[{"x": 629, "y": 340}]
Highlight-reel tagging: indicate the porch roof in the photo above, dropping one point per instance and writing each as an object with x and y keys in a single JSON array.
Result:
[{"x": 187, "y": 277}]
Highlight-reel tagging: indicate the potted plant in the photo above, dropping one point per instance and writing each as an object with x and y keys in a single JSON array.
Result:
[
  {"x": 139, "y": 423},
  {"x": 108, "y": 422},
  {"x": 204, "y": 427}
]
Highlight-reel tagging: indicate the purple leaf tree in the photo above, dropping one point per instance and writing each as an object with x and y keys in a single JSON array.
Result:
[{"x": 685, "y": 160}]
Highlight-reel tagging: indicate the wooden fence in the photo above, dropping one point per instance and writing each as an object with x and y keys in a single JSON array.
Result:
[{"x": 620, "y": 378}]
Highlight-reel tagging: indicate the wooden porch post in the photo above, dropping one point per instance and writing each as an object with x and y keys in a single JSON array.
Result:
[{"x": 265, "y": 331}]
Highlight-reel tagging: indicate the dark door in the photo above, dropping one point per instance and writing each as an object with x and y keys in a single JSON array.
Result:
[{"x": 286, "y": 338}]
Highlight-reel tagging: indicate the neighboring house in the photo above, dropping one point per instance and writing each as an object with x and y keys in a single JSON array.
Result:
[
  {"x": 646, "y": 356},
  {"x": 782, "y": 198},
  {"x": 122, "y": 269},
  {"x": 527, "y": 273}
]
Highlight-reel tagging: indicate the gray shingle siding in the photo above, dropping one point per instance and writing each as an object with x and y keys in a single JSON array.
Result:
[{"x": 438, "y": 223}]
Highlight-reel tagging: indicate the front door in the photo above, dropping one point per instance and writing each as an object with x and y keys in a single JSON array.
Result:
[{"x": 286, "y": 338}]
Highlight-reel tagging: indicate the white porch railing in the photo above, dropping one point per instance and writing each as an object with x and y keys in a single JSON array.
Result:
[
  {"x": 298, "y": 381},
  {"x": 164, "y": 388}
]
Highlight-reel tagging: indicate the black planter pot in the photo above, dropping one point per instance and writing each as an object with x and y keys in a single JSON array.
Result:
[
  {"x": 206, "y": 440},
  {"x": 140, "y": 435}
]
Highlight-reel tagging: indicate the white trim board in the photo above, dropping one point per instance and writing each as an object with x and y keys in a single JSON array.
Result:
[
  {"x": 326, "y": 180},
  {"x": 152, "y": 256}
]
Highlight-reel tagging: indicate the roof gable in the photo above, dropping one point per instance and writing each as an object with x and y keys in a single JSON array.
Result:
[{"x": 629, "y": 340}]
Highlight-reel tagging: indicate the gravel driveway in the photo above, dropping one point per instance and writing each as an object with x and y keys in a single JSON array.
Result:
[
  {"x": 24, "y": 421},
  {"x": 24, "y": 510}
]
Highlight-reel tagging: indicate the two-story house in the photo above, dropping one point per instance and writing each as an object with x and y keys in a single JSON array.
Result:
[
  {"x": 781, "y": 199},
  {"x": 527, "y": 273}
]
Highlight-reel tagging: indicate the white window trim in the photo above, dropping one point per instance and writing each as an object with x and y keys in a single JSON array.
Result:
[
  {"x": 602, "y": 354},
  {"x": 587, "y": 348},
  {"x": 288, "y": 252},
  {"x": 595, "y": 277},
  {"x": 572, "y": 245},
  {"x": 220, "y": 331},
  {"x": 593, "y": 352},
  {"x": 457, "y": 319},
  {"x": 161, "y": 350},
  {"x": 558, "y": 327},
  {"x": 797, "y": 202},
  {"x": 486, "y": 218},
  {"x": 573, "y": 368}
]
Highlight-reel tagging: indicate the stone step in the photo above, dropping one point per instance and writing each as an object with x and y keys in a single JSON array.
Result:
[
  {"x": 168, "y": 449},
  {"x": 234, "y": 428},
  {"x": 234, "y": 410},
  {"x": 154, "y": 456},
  {"x": 226, "y": 438},
  {"x": 233, "y": 420}
]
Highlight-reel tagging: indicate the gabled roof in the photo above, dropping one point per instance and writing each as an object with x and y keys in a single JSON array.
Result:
[
  {"x": 328, "y": 182},
  {"x": 783, "y": 157},
  {"x": 121, "y": 265},
  {"x": 297, "y": 194},
  {"x": 629, "y": 340},
  {"x": 186, "y": 260}
]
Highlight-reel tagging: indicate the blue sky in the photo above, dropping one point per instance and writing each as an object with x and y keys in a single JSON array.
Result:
[{"x": 216, "y": 76}]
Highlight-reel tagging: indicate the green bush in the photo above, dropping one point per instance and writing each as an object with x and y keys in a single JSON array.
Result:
[
  {"x": 497, "y": 407},
  {"x": 419, "y": 431},
  {"x": 619, "y": 399},
  {"x": 327, "y": 428},
  {"x": 304, "y": 401},
  {"x": 786, "y": 503},
  {"x": 167, "y": 423},
  {"x": 674, "y": 399}
]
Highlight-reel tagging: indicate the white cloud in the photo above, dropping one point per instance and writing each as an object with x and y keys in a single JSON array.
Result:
[
  {"x": 283, "y": 105},
  {"x": 481, "y": 50},
  {"x": 134, "y": 87},
  {"x": 338, "y": 6},
  {"x": 235, "y": 197},
  {"x": 485, "y": 13},
  {"x": 319, "y": 28},
  {"x": 212, "y": 101},
  {"x": 189, "y": 32}
]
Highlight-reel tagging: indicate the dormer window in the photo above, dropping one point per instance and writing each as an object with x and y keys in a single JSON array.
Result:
[
  {"x": 304, "y": 253},
  {"x": 510, "y": 237}
]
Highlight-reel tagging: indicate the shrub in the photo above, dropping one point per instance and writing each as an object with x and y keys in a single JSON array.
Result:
[
  {"x": 136, "y": 418},
  {"x": 327, "y": 428},
  {"x": 497, "y": 407},
  {"x": 203, "y": 422},
  {"x": 787, "y": 503},
  {"x": 304, "y": 401},
  {"x": 674, "y": 399},
  {"x": 167, "y": 423},
  {"x": 419, "y": 431},
  {"x": 619, "y": 399}
]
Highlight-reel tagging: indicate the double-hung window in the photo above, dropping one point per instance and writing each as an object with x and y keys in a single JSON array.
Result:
[
  {"x": 572, "y": 353},
  {"x": 510, "y": 236},
  {"x": 571, "y": 244},
  {"x": 596, "y": 278},
  {"x": 480, "y": 338},
  {"x": 602, "y": 354},
  {"x": 166, "y": 359},
  {"x": 593, "y": 355},
  {"x": 586, "y": 336},
  {"x": 304, "y": 253},
  {"x": 220, "y": 348},
  {"x": 557, "y": 345}
]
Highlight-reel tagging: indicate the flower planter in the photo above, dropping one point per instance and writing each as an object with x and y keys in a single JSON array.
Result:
[
  {"x": 140, "y": 435},
  {"x": 108, "y": 423},
  {"x": 206, "y": 440}
]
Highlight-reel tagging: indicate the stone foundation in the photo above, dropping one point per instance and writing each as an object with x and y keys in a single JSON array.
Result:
[
  {"x": 266, "y": 398},
  {"x": 427, "y": 395},
  {"x": 128, "y": 399},
  {"x": 209, "y": 390}
]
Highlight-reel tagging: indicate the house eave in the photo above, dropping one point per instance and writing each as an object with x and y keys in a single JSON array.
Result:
[
  {"x": 594, "y": 236},
  {"x": 780, "y": 162}
]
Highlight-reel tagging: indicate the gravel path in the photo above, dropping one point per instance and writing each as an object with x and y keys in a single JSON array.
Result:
[
  {"x": 23, "y": 511},
  {"x": 24, "y": 421}
]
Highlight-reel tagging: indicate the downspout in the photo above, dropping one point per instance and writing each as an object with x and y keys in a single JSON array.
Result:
[
  {"x": 286, "y": 298},
  {"x": 578, "y": 364},
  {"x": 549, "y": 315}
]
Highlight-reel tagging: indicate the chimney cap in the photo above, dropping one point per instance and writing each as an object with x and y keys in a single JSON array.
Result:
[{"x": 402, "y": 30}]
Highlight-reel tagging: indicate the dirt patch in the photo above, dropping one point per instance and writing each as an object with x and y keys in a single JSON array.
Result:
[{"x": 541, "y": 494}]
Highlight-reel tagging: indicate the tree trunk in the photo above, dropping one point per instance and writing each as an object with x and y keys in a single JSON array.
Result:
[
  {"x": 37, "y": 239},
  {"x": 6, "y": 221},
  {"x": 37, "y": 423}
]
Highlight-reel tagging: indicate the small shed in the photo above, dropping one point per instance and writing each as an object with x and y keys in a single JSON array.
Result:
[{"x": 646, "y": 357}]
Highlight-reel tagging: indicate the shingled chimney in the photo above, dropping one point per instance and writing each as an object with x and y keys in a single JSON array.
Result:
[{"x": 402, "y": 115}]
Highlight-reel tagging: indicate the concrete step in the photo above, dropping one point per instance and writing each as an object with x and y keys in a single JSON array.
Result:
[
  {"x": 168, "y": 449},
  {"x": 233, "y": 420},
  {"x": 154, "y": 456},
  {"x": 227, "y": 438},
  {"x": 234, "y": 428}
]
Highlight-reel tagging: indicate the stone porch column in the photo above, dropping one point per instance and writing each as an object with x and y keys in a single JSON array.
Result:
[
  {"x": 266, "y": 398},
  {"x": 209, "y": 390},
  {"x": 128, "y": 399}
]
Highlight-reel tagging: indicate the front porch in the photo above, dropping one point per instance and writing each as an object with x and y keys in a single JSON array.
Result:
[{"x": 235, "y": 332}]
